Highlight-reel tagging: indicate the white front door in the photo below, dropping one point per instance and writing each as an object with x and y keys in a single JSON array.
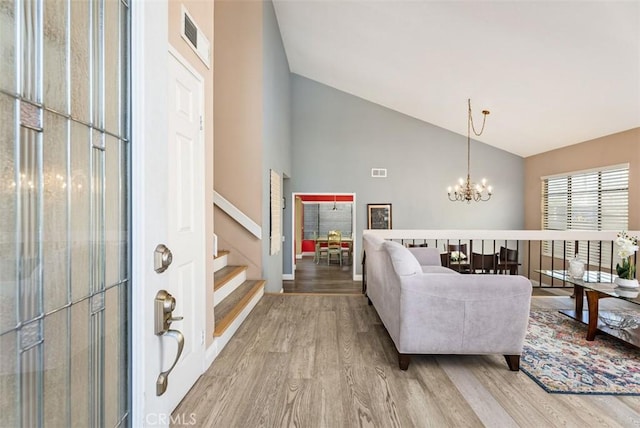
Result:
[{"x": 175, "y": 217}]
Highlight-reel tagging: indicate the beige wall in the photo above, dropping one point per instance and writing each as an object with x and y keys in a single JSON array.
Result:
[
  {"x": 623, "y": 147},
  {"x": 202, "y": 13},
  {"x": 238, "y": 122}
]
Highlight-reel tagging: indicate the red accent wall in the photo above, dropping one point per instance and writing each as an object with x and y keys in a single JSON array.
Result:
[{"x": 326, "y": 198}]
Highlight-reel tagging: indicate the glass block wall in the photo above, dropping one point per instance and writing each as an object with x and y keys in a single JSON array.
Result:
[{"x": 64, "y": 273}]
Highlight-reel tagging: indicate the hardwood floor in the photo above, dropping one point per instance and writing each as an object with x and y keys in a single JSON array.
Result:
[
  {"x": 327, "y": 361},
  {"x": 322, "y": 278}
]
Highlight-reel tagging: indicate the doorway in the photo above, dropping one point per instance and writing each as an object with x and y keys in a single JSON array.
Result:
[{"x": 314, "y": 215}]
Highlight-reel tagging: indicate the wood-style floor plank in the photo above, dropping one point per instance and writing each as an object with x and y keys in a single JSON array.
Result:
[{"x": 327, "y": 361}]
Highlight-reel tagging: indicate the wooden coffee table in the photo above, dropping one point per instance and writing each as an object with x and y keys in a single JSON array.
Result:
[{"x": 594, "y": 292}]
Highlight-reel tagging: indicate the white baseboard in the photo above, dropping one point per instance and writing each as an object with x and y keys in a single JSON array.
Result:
[
  {"x": 357, "y": 277},
  {"x": 298, "y": 256},
  {"x": 210, "y": 354},
  {"x": 288, "y": 277},
  {"x": 308, "y": 253}
]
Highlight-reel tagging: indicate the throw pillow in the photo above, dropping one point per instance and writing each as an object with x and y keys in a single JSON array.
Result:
[
  {"x": 404, "y": 263},
  {"x": 458, "y": 255}
]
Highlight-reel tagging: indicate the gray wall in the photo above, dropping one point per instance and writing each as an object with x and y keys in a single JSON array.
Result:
[
  {"x": 276, "y": 134},
  {"x": 337, "y": 139}
]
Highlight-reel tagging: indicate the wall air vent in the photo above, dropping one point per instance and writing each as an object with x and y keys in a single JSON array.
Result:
[
  {"x": 195, "y": 38},
  {"x": 379, "y": 172},
  {"x": 191, "y": 31}
]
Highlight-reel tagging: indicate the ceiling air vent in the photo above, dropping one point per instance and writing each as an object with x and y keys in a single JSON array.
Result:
[
  {"x": 379, "y": 172},
  {"x": 195, "y": 38}
]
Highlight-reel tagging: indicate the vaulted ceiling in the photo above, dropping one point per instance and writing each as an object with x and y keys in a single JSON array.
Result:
[{"x": 552, "y": 73}]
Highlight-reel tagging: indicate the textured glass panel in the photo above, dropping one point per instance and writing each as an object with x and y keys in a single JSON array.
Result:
[
  {"x": 97, "y": 380},
  {"x": 80, "y": 211},
  {"x": 98, "y": 63},
  {"x": 123, "y": 346},
  {"x": 114, "y": 219},
  {"x": 30, "y": 386},
  {"x": 113, "y": 67},
  {"x": 8, "y": 190},
  {"x": 29, "y": 186},
  {"x": 98, "y": 210},
  {"x": 125, "y": 118},
  {"x": 55, "y": 55},
  {"x": 80, "y": 352},
  {"x": 8, "y": 380},
  {"x": 80, "y": 60},
  {"x": 113, "y": 383},
  {"x": 54, "y": 239},
  {"x": 56, "y": 369},
  {"x": 31, "y": 66},
  {"x": 7, "y": 46}
]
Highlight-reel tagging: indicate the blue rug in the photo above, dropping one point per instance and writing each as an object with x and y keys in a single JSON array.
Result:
[{"x": 558, "y": 357}]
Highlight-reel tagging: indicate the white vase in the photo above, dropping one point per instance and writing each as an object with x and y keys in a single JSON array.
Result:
[
  {"x": 628, "y": 292},
  {"x": 576, "y": 268},
  {"x": 626, "y": 283}
]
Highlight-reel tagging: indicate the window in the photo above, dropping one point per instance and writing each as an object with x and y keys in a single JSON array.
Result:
[{"x": 587, "y": 200}]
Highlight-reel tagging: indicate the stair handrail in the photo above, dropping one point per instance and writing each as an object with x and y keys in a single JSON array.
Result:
[{"x": 236, "y": 214}]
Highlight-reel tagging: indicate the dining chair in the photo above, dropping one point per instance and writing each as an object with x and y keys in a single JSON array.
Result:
[
  {"x": 508, "y": 260},
  {"x": 321, "y": 252},
  {"x": 485, "y": 263},
  {"x": 334, "y": 245}
]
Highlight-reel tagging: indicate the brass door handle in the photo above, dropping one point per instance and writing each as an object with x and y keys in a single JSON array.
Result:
[{"x": 163, "y": 378}]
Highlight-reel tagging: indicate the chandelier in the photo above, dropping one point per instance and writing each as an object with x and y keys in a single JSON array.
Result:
[{"x": 468, "y": 190}]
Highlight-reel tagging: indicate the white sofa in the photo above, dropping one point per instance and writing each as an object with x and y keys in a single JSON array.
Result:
[{"x": 430, "y": 309}]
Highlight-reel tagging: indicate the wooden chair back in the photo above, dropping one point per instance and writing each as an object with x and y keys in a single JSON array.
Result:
[
  {"x": 485, "y": 263},
  {"x": 334, "y": 239},
  {"x": 508, "y": 255}
]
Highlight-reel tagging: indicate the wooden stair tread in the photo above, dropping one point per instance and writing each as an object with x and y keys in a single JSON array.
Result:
[
  {"x": 228, "y": 310},
  {"x": 225, "y": 275},
  {"x": 221, "y": 253}
]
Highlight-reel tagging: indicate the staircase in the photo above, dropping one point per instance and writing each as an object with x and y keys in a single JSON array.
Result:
[{"x": 234, "y": 297}]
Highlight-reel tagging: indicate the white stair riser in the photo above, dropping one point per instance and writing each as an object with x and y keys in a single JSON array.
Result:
[
  {"x": 229, "y": 287},
  {"x": 219, "y": 263},
  {"x": 221, "y": 341}
]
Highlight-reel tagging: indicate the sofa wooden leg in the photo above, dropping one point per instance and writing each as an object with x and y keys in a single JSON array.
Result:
[
  {"x": 513, "y": 361},
  {"x": 403, "y": 361}
]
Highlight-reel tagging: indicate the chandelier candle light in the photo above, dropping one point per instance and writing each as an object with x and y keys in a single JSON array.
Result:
[{"x": 467, "y": 190}]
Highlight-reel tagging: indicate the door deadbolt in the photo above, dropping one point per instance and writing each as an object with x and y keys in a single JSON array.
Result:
[
  {"x": 165, "y": 304},
  {"x": 162, "y": 258}
]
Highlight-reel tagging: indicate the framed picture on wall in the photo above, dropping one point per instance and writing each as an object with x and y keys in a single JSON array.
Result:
[{"x": 379, "y": 216}]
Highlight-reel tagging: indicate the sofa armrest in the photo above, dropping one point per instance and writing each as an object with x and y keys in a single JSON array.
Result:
[{"x": 469, "y": 314}]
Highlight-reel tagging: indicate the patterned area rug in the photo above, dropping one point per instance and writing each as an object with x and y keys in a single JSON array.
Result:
[{"x": 558, "y": 357}]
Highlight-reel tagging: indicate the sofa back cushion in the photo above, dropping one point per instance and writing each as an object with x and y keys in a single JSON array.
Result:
[
  {"x": 404, "y": 263},
  {"x": 426, "y": 256}
]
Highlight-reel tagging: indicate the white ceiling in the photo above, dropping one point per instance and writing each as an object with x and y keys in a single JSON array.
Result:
[{"x": 552, "y": 73}]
